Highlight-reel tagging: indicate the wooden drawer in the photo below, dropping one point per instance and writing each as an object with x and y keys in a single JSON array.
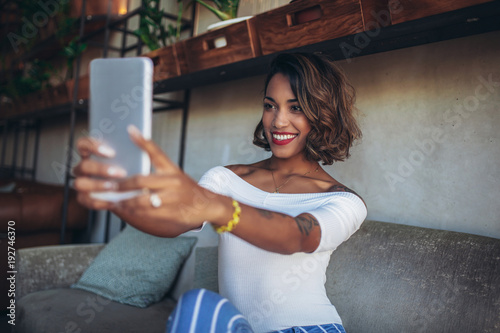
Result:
[
  {"x": 222, "y": 46},
  {"x": 168, "y": 62},
  {"x": 376, "y": 13},
  {"x": 307, "y": 22},
  {"x": 414, "y": 9},
  {"x": 97, "y": 7}
]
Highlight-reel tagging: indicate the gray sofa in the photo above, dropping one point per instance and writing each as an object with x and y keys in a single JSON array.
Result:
[{"x": 386, "y": 278}]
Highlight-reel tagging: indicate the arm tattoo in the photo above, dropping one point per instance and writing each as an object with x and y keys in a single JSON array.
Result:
[
  {"x": 265, "y": 213},
  {"x": 268, "y": 214},
  {"x": 306, "y": 224}
]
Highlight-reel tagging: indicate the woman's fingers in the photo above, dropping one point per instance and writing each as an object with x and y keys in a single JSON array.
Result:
[
  {"x": 151, "y": 182},
  {"x": 86, "y": 200},
  {"x": 86, "y": 184},
  {"x": 87, "y": 146},
  {"x": 88, "y": 167},
  {"x": 159, "y": 159}
]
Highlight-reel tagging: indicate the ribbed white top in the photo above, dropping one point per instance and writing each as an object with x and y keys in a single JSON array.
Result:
[{"x": 275, "y": 291}]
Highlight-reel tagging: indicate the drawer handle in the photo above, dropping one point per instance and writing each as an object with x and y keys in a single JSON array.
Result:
[
  {"x": 305, "y": 15},
  {"x": 215, "y": 43}
]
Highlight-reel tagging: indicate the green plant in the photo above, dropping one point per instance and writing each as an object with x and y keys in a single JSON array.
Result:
[
  {"x": 66, "y": 25},
  {"x": 223, "y": 9},
  {"x": 72, "y": 51},
  {"x": 152, "y": 28},
  {"x": 36, "y": 77}
]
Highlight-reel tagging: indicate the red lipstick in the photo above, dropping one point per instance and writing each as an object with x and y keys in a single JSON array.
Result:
[{"x": 282, "y": 141}]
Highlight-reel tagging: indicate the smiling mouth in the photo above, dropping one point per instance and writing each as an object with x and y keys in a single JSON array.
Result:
[{"x": 283, "y": 138}]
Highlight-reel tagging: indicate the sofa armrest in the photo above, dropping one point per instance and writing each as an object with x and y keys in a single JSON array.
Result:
[{"x": 48, "y": 267}]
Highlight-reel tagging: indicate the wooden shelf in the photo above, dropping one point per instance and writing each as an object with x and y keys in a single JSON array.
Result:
[
  {"x": 463, "y": 22},
  {"x": 454, "y": 24},
  {"x": 59, "y": 110}
]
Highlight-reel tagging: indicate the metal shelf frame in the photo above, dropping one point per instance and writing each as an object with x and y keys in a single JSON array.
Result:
[{"x": 20, "y": 127}]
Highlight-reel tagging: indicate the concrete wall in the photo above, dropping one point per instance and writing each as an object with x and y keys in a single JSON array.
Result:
[{"x": 430, "y": 153}]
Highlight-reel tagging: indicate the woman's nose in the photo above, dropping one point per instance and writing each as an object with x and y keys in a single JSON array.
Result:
[{"x": 280, "y": 119}]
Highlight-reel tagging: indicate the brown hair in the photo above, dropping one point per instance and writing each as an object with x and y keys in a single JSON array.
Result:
[{"x": 327, "y": 100}]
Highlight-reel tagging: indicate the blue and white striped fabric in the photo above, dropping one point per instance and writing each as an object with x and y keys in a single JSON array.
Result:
[
  {"x": 327, "y": 328},
  {"x": 203, "y": 311}
]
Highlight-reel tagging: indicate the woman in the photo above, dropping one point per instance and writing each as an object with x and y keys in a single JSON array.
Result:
[{"x": 279, "y": 219}]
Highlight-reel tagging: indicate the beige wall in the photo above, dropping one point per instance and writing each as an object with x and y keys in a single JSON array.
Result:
[{"x": 430, "y": 153}]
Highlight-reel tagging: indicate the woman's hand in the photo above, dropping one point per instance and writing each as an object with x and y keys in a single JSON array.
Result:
[
  {"x": 93, "y": 176},
  {"x": 183, "y": 204}
]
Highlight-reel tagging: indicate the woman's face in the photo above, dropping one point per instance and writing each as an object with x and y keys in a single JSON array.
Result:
[{"x": 285, "y": 125}]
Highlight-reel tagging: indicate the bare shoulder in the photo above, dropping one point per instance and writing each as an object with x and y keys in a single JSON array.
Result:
[
  {"x": 341, "y": 188},
  {"x": 338, "y": 187},
  {"x": 244, "y": 170},
  {"x": 332, "y": 185}
]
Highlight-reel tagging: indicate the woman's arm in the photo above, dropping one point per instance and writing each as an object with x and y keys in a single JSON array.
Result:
[
  {"x": 186, "y": 205},
  {"x": 273, "y": 231},
  {"x": 169, "y": 180}
]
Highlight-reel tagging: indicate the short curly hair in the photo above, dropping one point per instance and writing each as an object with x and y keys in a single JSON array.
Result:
[{"x": 327, "y": 99}]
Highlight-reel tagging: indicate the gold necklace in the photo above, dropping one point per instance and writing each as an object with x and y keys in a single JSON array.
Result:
[{"x": 277, "y": 188}]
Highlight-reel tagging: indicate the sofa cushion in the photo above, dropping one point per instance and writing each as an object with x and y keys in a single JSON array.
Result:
[
  {"x": 395, "y": 278},
  {"x": 51, "y": 267},
  {"x": 74, "y": 310},
  {"x": 136, "y": 268}
]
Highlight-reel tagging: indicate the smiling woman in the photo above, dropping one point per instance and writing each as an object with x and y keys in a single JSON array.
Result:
[
  {"x": 273, "y": 216},
  {"x": 327, "y": 103}
]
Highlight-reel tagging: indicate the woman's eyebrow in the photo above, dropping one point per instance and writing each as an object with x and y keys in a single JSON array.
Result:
[{"x": 293, "y": 100}]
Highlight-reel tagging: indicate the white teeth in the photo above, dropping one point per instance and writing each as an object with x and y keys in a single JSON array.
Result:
[{"x": 282, "y": 137}]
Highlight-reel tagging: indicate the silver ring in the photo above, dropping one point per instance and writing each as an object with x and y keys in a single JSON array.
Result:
[{"x": 155, "y": 200}]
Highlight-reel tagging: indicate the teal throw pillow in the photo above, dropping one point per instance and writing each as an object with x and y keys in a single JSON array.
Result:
[{"x": 136, "y": 268}]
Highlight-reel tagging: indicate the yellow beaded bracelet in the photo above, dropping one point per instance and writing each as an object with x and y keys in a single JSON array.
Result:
[{"x": 233, "y": 222}]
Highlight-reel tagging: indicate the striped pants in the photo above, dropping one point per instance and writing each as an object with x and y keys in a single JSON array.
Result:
[{"x": 203, "y": 311}]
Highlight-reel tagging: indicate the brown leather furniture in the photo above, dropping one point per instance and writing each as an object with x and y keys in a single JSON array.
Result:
[{"x": 36, "y": 209}]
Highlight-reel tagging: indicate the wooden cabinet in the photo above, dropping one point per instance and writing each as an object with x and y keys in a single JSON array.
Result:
[
  {"x": 307, "y": 22},
  {"x": 230, "y": 44},
  {"x": 168, "y": 62}
]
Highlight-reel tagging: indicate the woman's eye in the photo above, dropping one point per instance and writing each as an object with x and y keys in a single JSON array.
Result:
[
  {"x": 268, "y": 106},
  {"x": 296, "y": 108}
]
